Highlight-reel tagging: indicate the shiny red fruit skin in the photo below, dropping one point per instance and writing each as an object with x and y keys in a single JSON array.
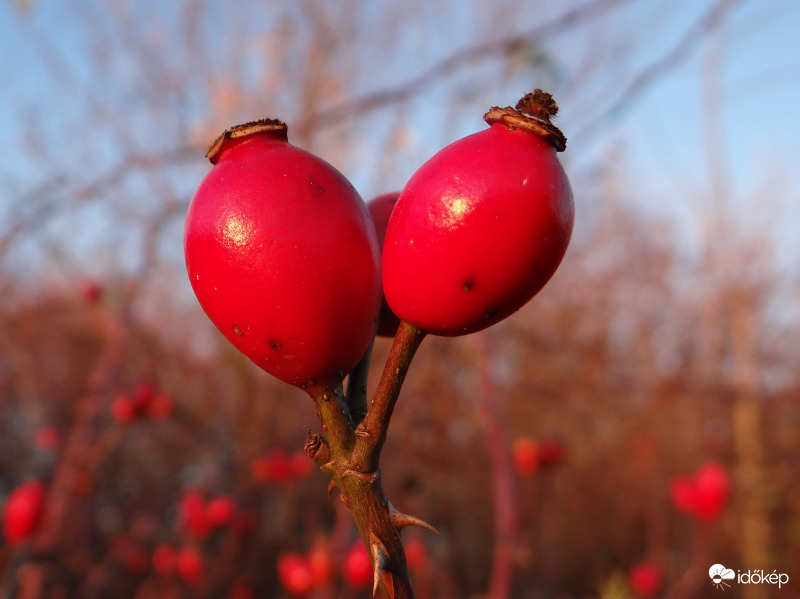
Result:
[
  {"x": 380, "y": 209},
  {"x": 284, "y": 260},
  {"x": 477, "y": 231}
]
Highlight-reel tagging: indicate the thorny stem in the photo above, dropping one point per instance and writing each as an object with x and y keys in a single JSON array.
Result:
[{"x": 349, "y": 456}]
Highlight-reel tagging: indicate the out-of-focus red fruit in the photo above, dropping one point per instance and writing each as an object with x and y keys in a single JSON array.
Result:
[
  {"x": 122, "y": 409},
  {"x": 280, "y": 466},
  {"x": 551, "y": 453},
  {"x": 713, "y": 485},
  {"x": 302, "y": 465},
  {"x": 416, "y": 553},
  {"x": 704, "y": 494},
  {"x": 241, "y": 591},
  {"x": 48, "y": 439},
  {"x": 357, "y": 567},
  {"x": 141, "y": 397},
  {"x": 646, "y": 579},
  {"x": 136, "y": 560},
  {"x": 380, "y": 209},
  {"x": 220, "y": 510},
  {"x": 320, "y": 562},
  {"x": 164, "y": 558},
  {"x": 23, "y": 511},
  {"x": 193, "y": 514},
  {"x": 161, "y": 406},
  {"x": 683, "y": 493},
  {"x": 260, "y": 469},
  {"x": 295, "y": 574},
  {"x": 91, "y": 292},
  {"x": 189, "y": 565},
  {"x": 525, "y": 452}
]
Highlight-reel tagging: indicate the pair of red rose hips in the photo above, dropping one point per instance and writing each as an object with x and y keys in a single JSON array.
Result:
[{"x": 286, "y": 261}]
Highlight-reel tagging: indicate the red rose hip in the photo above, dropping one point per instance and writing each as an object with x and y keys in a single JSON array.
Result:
[
  {"x": 282, "y": 256},
  {"x": 482, "y": 226}
]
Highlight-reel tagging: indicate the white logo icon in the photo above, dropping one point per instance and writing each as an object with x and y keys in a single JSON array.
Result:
[{"x": 719, "y": 574}]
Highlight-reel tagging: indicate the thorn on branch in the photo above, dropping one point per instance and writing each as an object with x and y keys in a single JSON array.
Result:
[
  {"x": 380, "y": 566},
  {"x": 401, "y": 520}
]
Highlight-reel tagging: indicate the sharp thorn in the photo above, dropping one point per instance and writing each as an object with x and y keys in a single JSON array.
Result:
[
  {"x": 380, "y": 566},
  {"x": 401, "y": 520}
]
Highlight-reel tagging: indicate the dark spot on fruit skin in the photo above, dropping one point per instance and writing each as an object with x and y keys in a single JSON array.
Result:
[
  {"x": 491, "y": 313},
  {"x": 237, "y": 330},
  {"x": 468, "y": 285},
  {"x": 274, "y": 345},
  {"x": 315, "y": 185}
]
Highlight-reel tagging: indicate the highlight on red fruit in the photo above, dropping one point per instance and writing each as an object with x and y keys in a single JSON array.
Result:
[
  {"x": 294, "y": 573},
  {"x": 357, "y": 567},
  {"x": 646, "y": 578},
  {"x": 23, "y": 511},
  {"x": 283, "y": 257},
  {"x": 189, "y": 565},
  {"x": 380, "y": 209},
  {"x": 481, "y": 227},
  {"x": 525, "y": 452}
]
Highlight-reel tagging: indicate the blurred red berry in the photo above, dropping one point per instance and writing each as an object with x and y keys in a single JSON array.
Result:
[
  {"x": 193, "y": 514},
  {"x": 357, "y": 567},
  {"x": 91, "y": 292},
  {"x": 23, "y": 511},
  {"x": 416, "y": 553},
  {"x": 302, "y": 465},
  {"x": 295, "y": 574},
  {"x": 189, "y": 565},
  {"x": 136, "y": 560},
  {"x": 241, "y": 591},
  {"x": 280, "y": 469},
  {"x": 551, "y": 452},
  {"x": 683, "y": 493},
  {"x": 141, "y": 397},
  {"x": 646, "y": 579},
  {"x": 161, "y": 406},
  {"x": 260, "y": 469},
  {"x": 164, "y": 558},
  {"x": 122, "y": 409},
  {"x": 220, "y": 510},
  {"x": 48, "y": 439},
  {"x": 704, "y": 494},
  {"x": 713, "y": 486},
  {"x": 320, "y": 562},
  {"x": 525, "y": 452}
]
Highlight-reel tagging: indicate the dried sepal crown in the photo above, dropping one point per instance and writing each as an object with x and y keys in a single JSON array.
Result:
[{"x": 532, "y": 113}]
